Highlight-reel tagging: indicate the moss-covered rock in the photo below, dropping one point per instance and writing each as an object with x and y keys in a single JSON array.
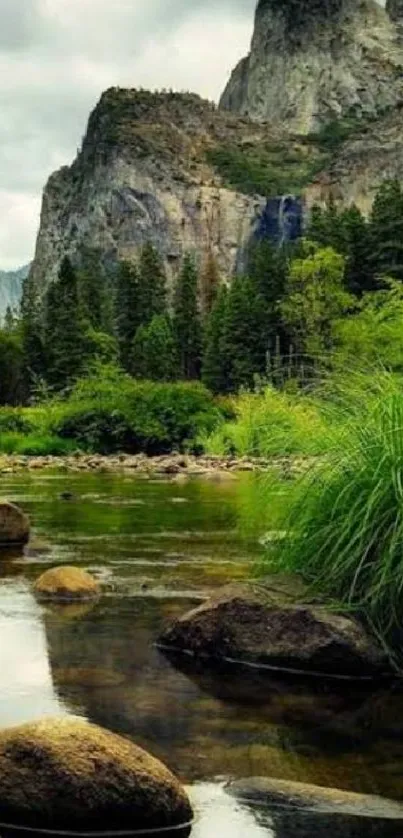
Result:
[
  {"x": 14, "y": 525},
  {"x": 66, "y": 584},
  {"x": 70, "y": 775}
]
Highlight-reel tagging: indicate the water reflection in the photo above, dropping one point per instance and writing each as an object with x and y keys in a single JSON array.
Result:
[{"x": 27, "y": 686}]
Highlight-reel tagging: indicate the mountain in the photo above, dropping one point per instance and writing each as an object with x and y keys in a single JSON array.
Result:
[
  {"x": 11, "y": 283},
  {"x": 314, "y": 111},
  {"x": 314, "y": 61}
]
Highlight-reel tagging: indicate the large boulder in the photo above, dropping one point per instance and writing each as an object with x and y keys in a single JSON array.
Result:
[
  {"x": 299, "y": 639},
  {"x": 14, "y": 525},
  {"x": 66, "y": 774},
  {"x": 63, "y": 584}
]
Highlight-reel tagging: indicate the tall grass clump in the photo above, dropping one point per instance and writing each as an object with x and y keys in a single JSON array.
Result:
[
  {"x": 344, "y": 530},
  {"x": 270, "y": 423}
]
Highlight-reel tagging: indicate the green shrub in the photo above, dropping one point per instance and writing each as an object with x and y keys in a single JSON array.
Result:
[
  {"x": 13, "y": 420},
  {"x": 35, "y": 445},
  {"x": 110, "y": 412}
]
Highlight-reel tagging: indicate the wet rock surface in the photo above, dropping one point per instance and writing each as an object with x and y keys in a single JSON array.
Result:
[
  {"x": 66, "y": 584},
  {"x": 300, "y": 639},
  {"x": 14, "y": 525},
  {"x": 299, "y": 810},
  {"x": 71, "y": 775}
]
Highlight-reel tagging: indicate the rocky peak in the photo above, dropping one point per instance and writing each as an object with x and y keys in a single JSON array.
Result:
[{"x": 313, "y": 61}]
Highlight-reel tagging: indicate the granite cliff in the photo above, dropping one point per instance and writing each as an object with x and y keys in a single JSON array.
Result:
[
  {"x": 143, "y": 174},
  {"x": 312, "y": 61},
  {"x": 315, "y": 110}
]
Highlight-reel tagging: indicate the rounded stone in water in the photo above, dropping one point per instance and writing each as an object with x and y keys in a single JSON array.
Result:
[
  {"x": 65, "y": 584},
  {"x": 68, "y": 776},
  {"x": 14, "y": 525}
]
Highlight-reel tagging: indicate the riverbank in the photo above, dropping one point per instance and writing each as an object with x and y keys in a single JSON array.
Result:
[{"x": 177, "y": 466}]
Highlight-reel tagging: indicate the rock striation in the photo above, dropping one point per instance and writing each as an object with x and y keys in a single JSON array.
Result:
[{"x": 313, "y": 61}]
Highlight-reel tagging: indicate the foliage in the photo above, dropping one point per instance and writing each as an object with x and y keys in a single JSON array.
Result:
[
  {"x": 65, "y": 332},
  {"x": 214, "y": 373},
  {"x": 35, "y": 445},
  {"x": 152, "y": 285},
  {"x": 386, "y": 224},
  {"x": 209, "y": 284},
  {"x": 154, "y": 351},
  {"x": 345, "y": 530},
  {"x": 126, "y": 313},
  {"x": 271, "y": 170},
  {"x": 186, "y": 321},
  {"x": 14, "y": 421},
  {"x": 109, "y": 411},
  {"x": 268, "y": 424},
  {"x": 315, "y": 298},
  {"x": 11, "y": 368},
  {"x": 374, "y": 335}
]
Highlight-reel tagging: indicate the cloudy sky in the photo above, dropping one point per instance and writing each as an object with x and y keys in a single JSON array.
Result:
[{"x": 56, "y": 56}]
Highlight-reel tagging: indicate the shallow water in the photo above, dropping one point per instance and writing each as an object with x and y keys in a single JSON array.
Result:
[{"x": 157, "y": 546}]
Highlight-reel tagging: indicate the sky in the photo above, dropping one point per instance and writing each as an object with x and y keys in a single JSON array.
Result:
[{"x": 57, "y": 56}]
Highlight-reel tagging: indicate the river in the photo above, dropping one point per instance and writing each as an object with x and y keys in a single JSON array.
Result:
[{"x": 158, "y": 546}]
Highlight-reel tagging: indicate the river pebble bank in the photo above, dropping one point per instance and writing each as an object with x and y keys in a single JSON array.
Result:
[{"x": 173, "y": 465}]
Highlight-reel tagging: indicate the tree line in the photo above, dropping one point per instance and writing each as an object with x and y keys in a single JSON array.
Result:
[{"x": 341, "y": 286}]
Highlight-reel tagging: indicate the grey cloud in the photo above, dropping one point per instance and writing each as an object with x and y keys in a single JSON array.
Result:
[{"x": 56, "y": 57}]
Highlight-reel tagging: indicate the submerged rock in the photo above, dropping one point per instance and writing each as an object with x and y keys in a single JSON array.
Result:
[
  {"x": 14, "y": 525},
  {"x": 66, "y": 583},
  {"x": 70, "y": 775},
  {"x": 301, "y": 639},
  {"x": 299, "y": 810}
]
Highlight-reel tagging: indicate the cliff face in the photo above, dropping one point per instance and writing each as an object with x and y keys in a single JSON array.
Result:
[
  {"x": 143, "y": 175},
  {"x": 11, "y": 283},
  {"x": 312, "y": 61}
]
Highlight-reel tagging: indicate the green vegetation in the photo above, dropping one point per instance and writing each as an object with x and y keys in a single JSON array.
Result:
[
  {"x": 345, "y": 525},
  {"x": 108, "y": 412},
  {"x": 271, "y": 170}
]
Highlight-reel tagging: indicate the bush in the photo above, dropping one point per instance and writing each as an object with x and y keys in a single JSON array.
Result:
[
  {"x": 111, "y": 412},
  {"x": 35, "y": 445},
  {"x": 13, "y": 420}
]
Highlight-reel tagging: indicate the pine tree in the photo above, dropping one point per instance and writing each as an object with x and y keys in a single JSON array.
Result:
[
  {"x": 32, "y": 327},
  {"x": 127, "y": 316},
  {"x": 154, "y": 351},
  {"x": 152, "y": 285},
  {"x": 93, "y": 290},
  {"x": 65, "y": 334},
  {"x": 209, "y": 284},
  {"x": 241, "y": 348},
  {"x": 359, "y": 276},
  {"x": 214, "y": 372},
  {"x": 187, "y": 325},
  {"x": 386, "y": 230}
]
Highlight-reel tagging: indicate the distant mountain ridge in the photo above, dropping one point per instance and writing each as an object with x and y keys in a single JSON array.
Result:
[{"x": 11, "y": 283}]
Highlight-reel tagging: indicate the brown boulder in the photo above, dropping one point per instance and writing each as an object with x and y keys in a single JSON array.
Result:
[
  {"x": 298, "y": 639},
  {"x": 14, "y": 525},
  {"x": 70, "y": 775},
  {"x": 66, "y": 584}
]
